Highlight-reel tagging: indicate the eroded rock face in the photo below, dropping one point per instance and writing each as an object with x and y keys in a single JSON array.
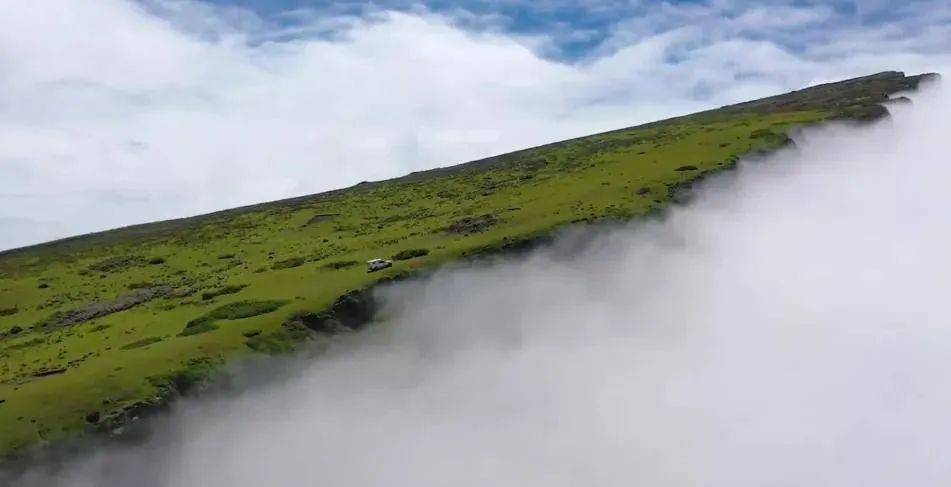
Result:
[{"x": 352, "y": 311}]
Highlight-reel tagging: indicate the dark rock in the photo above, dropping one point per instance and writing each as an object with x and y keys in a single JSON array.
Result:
[{"x": 93, "y": 417}]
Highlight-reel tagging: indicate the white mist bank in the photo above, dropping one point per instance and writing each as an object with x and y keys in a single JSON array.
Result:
[{"x": 789, "y": 327}]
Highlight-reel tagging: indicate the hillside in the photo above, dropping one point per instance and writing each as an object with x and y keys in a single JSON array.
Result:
[{"x": 96, "y": 329}]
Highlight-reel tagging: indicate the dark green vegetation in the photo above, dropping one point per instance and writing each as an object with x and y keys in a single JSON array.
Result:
[
  {"x": 98, "y": 328},
  {"x": 410, "y": 254}
]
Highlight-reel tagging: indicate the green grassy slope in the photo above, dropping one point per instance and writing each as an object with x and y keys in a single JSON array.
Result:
[{"x": 95, "y": 328}]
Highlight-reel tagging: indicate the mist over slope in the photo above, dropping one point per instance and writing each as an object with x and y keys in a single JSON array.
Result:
[{"x": 786, "y": 328}]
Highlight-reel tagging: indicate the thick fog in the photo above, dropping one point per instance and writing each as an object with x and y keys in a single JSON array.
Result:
[{"x": 789, "y": 327}]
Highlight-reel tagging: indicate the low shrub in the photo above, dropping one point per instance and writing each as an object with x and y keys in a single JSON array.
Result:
[
  {"x": 193, "y": 374},
  {"x": 208, "y": 295},
  {"x": 232, "y": 311},
  {"x": 340, "y": 264},
  {"x": 9, "y": 311},
  {"x": 410, "y": 254},
  {"x": 27, "y": 344},
  {"x": 141, "y": 343},
  {"x": 288, "y": 263},
  {"x": 198, "y": 329}
]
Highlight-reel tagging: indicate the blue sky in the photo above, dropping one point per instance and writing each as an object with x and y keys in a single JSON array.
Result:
[
  {"x": 115, "y": 112},
  {"x": 578, "y": 28}
]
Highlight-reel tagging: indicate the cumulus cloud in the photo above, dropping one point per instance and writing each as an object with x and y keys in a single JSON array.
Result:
[
  {"x": 787, "y": 327},
  {"x": 114, "y": 112}
]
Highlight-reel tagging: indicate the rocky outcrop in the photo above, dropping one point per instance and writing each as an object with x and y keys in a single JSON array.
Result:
[
  {"x": 103, "y": 308},
  {"x": 473, "y": 224}
]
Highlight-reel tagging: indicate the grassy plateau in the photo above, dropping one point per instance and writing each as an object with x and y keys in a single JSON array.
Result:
[{"x": 97, "y": 329}]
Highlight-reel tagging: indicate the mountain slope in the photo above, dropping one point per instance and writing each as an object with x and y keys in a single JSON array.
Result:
[{"x": 95, "y": 329}]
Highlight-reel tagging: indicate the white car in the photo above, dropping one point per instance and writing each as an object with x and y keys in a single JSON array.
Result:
[{"x": 377, "y": 264}]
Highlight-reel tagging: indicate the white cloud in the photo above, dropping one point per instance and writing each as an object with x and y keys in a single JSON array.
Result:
[
  {"x": 113, "y": 115},
  {"x": 788, "y": 328}
]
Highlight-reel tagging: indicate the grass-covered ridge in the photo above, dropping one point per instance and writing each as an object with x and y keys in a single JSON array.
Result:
[{"x": 94, "y": 329}]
